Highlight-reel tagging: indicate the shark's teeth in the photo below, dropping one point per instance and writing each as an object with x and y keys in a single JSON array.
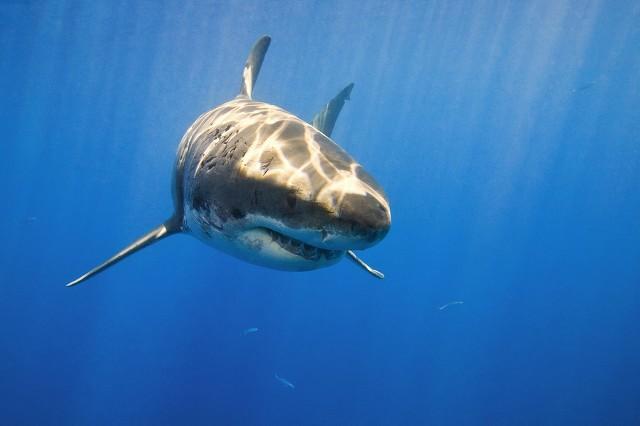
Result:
[{"x": 301, "y": 248}]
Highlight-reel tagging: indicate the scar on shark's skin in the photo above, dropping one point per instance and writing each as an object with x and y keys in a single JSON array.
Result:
[
  {"x": 265, "y": 165},
  {"x": 263, "y": 185}
]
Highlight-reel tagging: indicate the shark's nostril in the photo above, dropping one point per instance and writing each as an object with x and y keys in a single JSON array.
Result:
[{"x": 364, "y": 218}]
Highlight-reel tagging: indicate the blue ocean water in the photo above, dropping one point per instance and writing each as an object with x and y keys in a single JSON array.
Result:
[{"x": 506, "y": 135}]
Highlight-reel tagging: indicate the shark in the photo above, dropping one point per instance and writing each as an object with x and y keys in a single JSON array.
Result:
[{"x": 255, "y": 181}]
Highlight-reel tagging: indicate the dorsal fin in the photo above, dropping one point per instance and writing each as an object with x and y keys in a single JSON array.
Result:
[
  {"x": 171, "y": 226},
  {"x": 325, "y": 120},
  {"x": 253, "y": 64}
]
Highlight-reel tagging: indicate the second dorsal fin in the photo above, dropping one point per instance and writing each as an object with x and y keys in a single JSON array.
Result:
[
  {"x": 253, "y": 64},
  {"x": 325, "y": 120}
]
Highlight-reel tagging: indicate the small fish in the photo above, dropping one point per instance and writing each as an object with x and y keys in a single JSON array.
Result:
[
  {"x": 285, "y": 382},
  {"x": 584, "y": 87},
  {"x": 250, "y": 330},
  {"x": 446, "y": 305}
]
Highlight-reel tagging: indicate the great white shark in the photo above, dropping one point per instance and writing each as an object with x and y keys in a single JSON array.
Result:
[{"x": 261, "y": 184}]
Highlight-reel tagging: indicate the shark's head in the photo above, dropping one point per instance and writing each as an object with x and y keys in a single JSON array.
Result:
[{"x": 281, "y": 194}]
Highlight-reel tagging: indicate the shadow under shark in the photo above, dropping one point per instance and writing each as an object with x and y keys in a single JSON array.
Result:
[{"x": 259, "y": 183}]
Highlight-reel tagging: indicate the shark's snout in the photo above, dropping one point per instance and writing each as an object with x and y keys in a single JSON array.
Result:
[{"x": 368, "y": 220}]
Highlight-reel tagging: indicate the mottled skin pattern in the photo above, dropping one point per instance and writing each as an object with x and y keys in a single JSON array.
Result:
[{"x": 250, "y": 164}]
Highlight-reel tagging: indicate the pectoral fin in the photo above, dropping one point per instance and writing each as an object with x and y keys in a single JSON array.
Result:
[
  {"x": 362, "y": 264},
  {"x": 170, "y": 227}
]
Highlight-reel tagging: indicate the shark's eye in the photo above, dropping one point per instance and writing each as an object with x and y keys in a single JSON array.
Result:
[{"x": 237, "y": 213}]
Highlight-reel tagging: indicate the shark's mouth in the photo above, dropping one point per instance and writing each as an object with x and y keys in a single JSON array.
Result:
[{"x": 300, "y": 248}]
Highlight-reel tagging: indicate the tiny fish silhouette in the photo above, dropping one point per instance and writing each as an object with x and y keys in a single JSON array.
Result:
[
  {"x": 285, "y": 382},
  {"x": 250, "y": 330},
  {"x": 446, "y": 305}
]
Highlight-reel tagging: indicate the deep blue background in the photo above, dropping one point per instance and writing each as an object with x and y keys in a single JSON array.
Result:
[{"x": 506, "y": 134}]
